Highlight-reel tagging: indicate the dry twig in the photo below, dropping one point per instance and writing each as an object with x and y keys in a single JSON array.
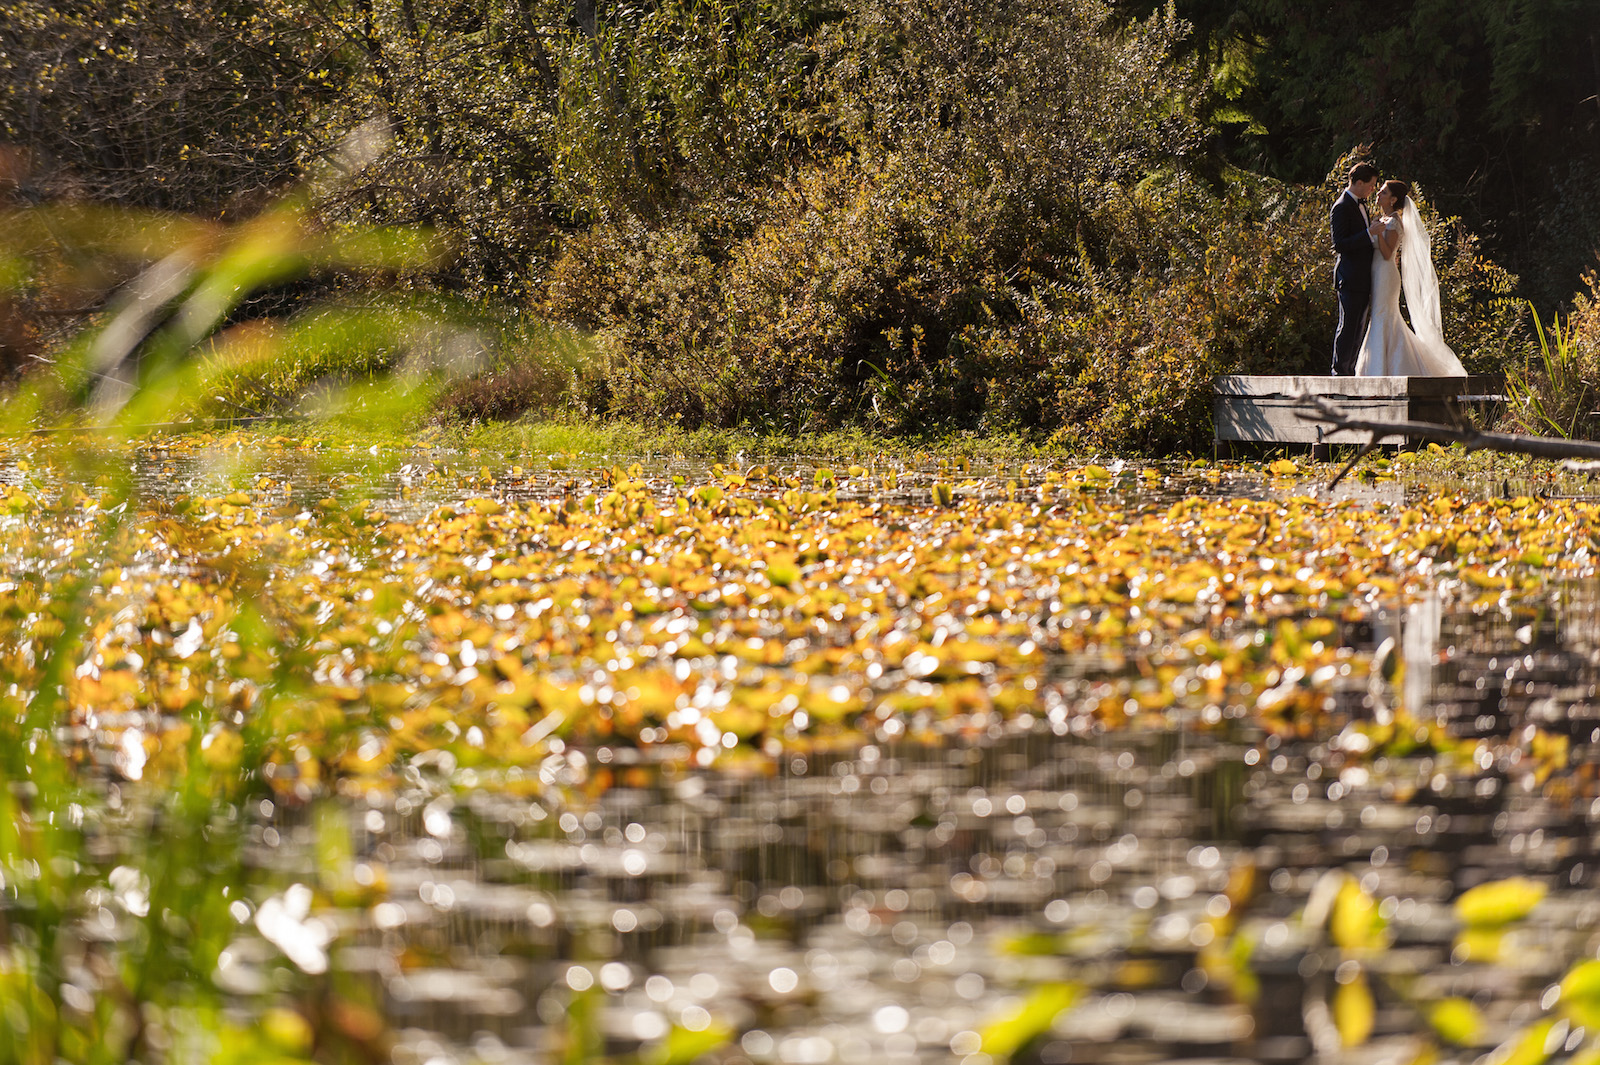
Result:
[{"x": 1463, "y": 433}]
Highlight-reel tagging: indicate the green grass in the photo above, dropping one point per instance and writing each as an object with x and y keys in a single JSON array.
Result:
[{"x": 577, "y": 434}]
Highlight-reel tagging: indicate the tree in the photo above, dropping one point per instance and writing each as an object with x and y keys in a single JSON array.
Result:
[
  {"x": 190, "y": 105},
  {"x": 1492, "y": 107}
]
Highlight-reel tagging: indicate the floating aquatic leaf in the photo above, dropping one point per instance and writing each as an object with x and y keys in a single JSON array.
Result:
[
  {"x": 1499, "y": 901},
  {"x": 1457, "y": 1021},
  {"x": 1354, "y": 1011},
  {"x": 1355, "y": 923},
  {"x": 1005, "y": 1036},
  {"x": 683, "y": 1046}
]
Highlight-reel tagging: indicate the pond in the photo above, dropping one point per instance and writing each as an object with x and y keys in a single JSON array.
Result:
[{"x": 562, "y": 760}]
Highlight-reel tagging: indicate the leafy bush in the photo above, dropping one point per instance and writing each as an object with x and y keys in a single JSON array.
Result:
[
  {"x": 190, "y": 105},
  {"x": 910, "y": 215},
  {"x": 1225, "y": 283},
  {"x": 902, "y": 295},
  {"x": 862, "y": 287},
  {"x": 650, "y": 297},
  {"x": 670, "y": 101},
  {"x": 847, "y": 305},
  {"x": 531, "y": 369},
  {"x": 1556, "y": 389},
  {"x": 1483, "y": 321}
]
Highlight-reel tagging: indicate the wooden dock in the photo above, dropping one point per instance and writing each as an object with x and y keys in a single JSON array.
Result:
[{"x": 1262, "y": 410}]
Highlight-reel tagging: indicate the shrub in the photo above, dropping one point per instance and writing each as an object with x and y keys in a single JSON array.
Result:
[
  {"x": 1012, "y": 241},
  {"x": 848, "y": 304},
  {"x": 1483, "y": 321},
  {"x": 1172, "y": 284},
  {"x": 865, "y": 286},
  {"x": 191, "y": 105},
  {"x": 1557, "y": 387},
  {"x": 650, "y": 297},
  {"x": 533, "y": 369}
]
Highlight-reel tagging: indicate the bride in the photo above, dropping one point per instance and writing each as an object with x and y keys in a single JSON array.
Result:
[{"x": 1393, "y": 349}]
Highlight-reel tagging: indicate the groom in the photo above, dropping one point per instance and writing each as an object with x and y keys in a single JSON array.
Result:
[{"x": 1352, "y": 269}]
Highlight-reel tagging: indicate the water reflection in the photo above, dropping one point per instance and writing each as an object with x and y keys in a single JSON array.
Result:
[
  {"x": 1419, "y": 643},
  {"x": 887, "y": 903},
  {"x": 407, "y": 482}
]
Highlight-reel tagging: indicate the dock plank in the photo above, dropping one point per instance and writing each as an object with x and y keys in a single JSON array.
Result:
[{"x": 1263, "y": 408}]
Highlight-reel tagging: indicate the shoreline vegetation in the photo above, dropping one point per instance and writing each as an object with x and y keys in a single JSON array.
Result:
[{"x": 1053, "y": 220}]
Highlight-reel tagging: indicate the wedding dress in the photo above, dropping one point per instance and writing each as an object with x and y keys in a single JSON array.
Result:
[{"x": 1393, "y": 349}]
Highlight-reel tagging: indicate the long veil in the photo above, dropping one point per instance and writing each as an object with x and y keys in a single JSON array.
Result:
[{"x": 1420, "y": 283}]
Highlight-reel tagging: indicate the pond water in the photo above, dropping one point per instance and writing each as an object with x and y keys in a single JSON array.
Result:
[
  {"x": 889, "y": 903},
  {"x": 1186, "y": 892}
]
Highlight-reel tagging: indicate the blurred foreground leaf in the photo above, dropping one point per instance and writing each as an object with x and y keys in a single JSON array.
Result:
[
  {"x": 1457, "y": 1020},
  {"x": 1004, "y": 1037},
  {"x": 1356, "y": 923},
  {"x": 682, "y": 1046},
  {"x": 1499, "y": 901},
  {"x": 1530, "y": 1047},
  {"x": 1354, "y": 1011},
  {"x": 1580, "y": 993}
]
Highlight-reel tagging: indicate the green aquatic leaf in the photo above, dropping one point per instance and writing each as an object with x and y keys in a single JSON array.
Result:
[
  {"x": 1457, "y": 1020},
  {"x": 1354, "y": 1011},
  {"x": 683, "y": 1046},
  {"x": 1499, "y": 901},
  {"x": 1002, "y": 1038},
  {"x": 1355, "y": 923}
]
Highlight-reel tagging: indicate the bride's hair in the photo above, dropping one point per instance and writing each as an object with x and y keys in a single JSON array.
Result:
[{"x": 1399, "y": 190}]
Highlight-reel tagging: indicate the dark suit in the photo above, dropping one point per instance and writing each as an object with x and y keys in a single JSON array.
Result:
[{"x": 1352, "y": 280}]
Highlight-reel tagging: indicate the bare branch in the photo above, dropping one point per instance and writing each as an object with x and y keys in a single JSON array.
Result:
[
  {"x": 1473, "y": 439},
  {"x": 1366, "y": 449}
]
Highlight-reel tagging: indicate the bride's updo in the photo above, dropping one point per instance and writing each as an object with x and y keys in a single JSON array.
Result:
[{"x": 1399, "y": 190}]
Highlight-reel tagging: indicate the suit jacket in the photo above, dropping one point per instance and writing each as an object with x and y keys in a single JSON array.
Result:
[{"x": 1352, "y": 248}]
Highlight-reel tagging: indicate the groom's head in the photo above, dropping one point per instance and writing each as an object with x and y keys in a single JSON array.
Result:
[{"x": 1363, "y": 179}]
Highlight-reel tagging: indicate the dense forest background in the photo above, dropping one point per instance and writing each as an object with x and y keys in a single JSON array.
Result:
[{"x": 1053, "y": 217}]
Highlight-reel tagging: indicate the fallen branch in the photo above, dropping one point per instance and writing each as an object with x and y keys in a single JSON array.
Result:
[{"x": 1473, "y": 439}]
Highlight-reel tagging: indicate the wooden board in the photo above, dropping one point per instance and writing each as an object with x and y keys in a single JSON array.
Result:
[{"x": 1263, "y": 409}]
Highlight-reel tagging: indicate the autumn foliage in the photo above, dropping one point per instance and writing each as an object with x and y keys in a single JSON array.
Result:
[{"x": 906, "y": 215}]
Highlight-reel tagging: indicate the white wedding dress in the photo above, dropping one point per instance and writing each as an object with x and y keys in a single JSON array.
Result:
[{"x": 1392, "y": 348}]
